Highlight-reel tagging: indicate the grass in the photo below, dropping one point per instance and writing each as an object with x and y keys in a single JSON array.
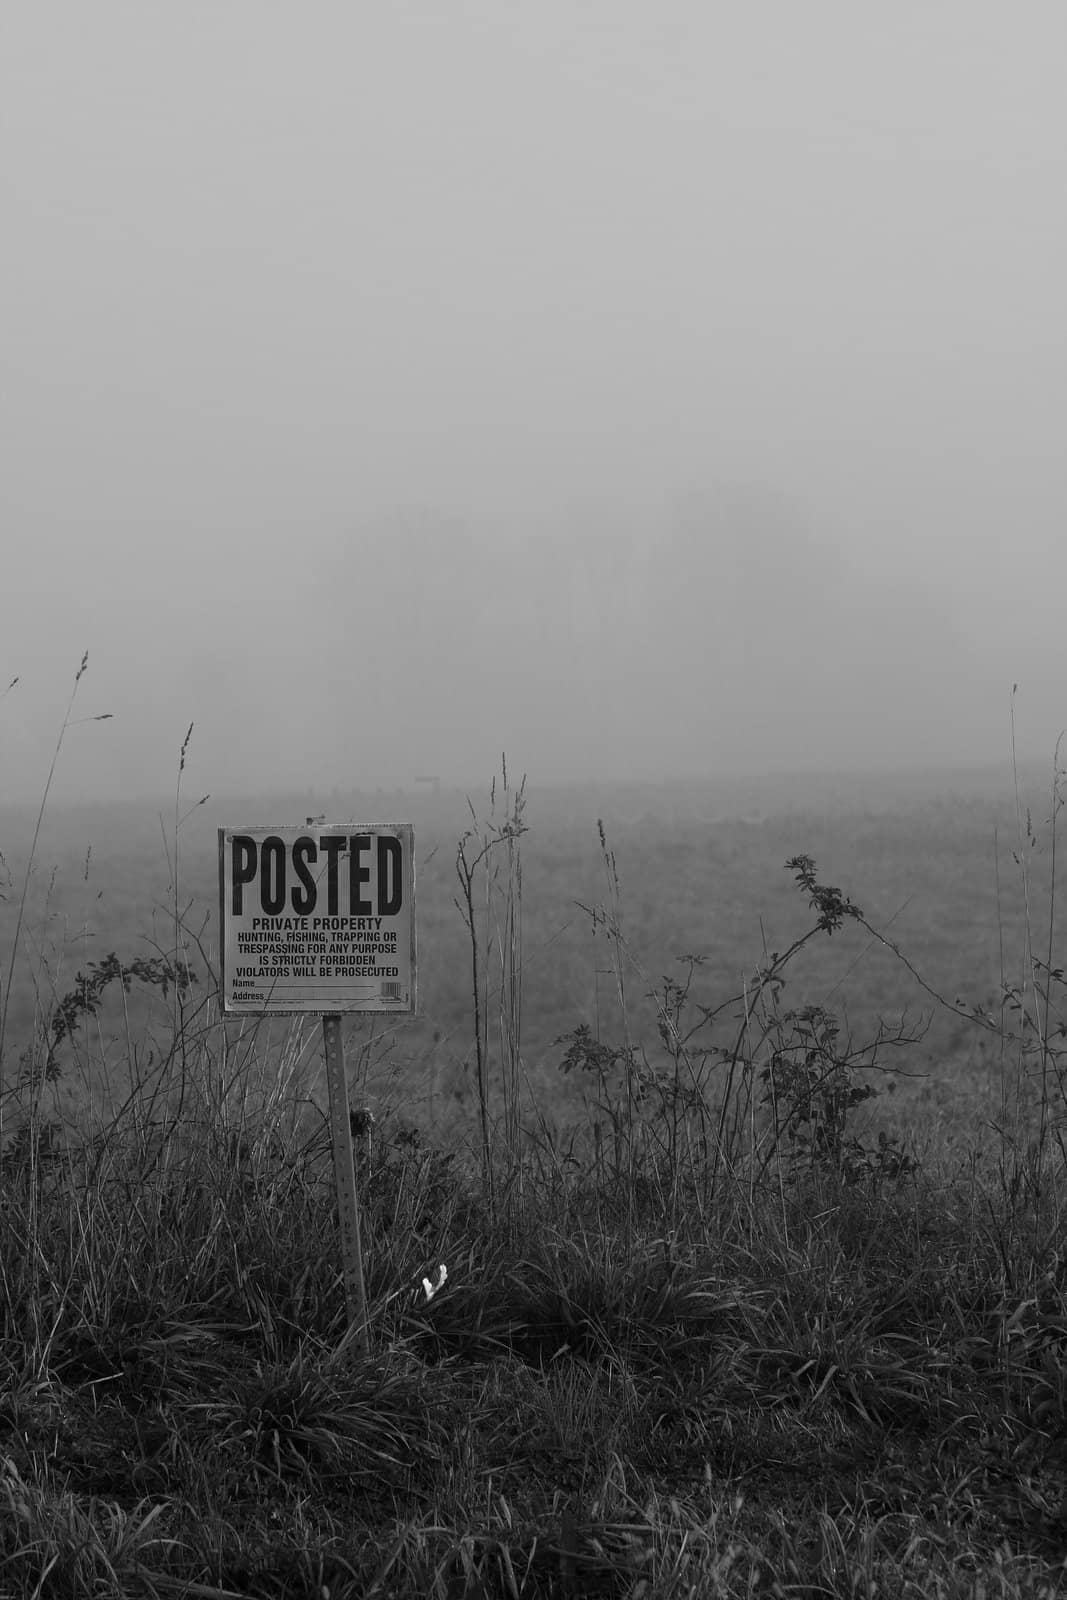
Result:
[{"x": 717, "y": 1340}]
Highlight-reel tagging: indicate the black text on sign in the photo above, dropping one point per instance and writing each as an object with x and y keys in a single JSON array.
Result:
[{"x": 318, "y": 920}]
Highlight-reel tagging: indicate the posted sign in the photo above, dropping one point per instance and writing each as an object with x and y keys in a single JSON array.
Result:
[{"x": 318, "y": 920}]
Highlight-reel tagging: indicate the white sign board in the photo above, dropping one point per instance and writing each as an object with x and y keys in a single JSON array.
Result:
[{"x": 318, "y": 920}]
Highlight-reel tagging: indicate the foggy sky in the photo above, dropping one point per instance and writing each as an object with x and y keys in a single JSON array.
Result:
[{"x": 633, "y": 388}]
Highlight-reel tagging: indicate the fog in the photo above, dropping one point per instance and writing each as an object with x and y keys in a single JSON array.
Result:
[{"x": 638, "y": 389}]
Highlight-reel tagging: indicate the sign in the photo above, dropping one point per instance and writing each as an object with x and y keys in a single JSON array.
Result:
[{"x": 318, "y": 920}]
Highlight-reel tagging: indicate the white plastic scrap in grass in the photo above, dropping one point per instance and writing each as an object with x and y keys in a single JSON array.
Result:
[{"x": 430, "y": 1289}]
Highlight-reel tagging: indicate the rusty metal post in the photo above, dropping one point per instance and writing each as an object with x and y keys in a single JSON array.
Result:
[{"x": 344, "y": 1171}]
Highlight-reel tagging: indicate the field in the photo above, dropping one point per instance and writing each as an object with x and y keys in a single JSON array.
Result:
[{"x": 748, "y": 1182}]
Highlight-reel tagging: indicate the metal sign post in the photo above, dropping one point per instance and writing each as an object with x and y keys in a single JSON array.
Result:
[
  {"x": 344, "y": 1172},
  {"x": 320, "y": 921}
]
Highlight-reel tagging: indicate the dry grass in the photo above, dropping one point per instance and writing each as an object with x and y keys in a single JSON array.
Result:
[{"x": 713, "y": 1343}]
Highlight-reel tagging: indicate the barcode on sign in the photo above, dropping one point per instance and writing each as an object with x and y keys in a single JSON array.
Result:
[{"x": 390, "y": 991}]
